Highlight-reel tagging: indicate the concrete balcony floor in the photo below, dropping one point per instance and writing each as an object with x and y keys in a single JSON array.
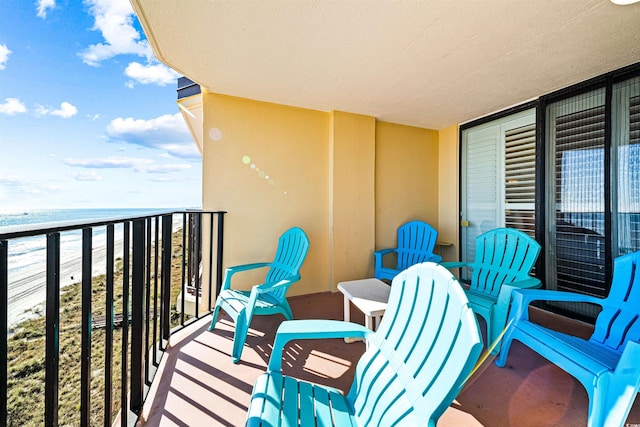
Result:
[{"x": 199, "y": 385}]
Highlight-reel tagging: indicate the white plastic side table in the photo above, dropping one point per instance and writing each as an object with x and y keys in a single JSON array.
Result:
[{"x": 370, "y": 296}]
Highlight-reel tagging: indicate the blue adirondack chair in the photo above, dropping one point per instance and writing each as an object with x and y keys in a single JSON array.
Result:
[
  {"x": 504, "y": 257},
  {"x": 414, "y": 366},
  {"x": 608, "y": 363},
  {"x": 416, "y": 240},
  {"x": 268, "y": 297}
]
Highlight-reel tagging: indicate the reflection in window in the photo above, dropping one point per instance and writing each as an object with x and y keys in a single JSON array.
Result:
[
  {"x": 576, "y": 164},
  {"x": 626, "y": 166}
]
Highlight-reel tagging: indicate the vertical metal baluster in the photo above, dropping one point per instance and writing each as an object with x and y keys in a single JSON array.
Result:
[
  {"x": 85, "y": 365},
  {"x": 137, "y": 318},
  {"x": 219, "y": 248},
  {"x": 196, "y": 258},
  {"x": 4, "y": 320},
  {"x": 183, "y": 270},
  {"x": 210, "y": 261},
  {"x": 165, "y": 281},
  {"x": 155, "y": 292},
  {"x": 108, "y": 345},
  {"x": 147, "y": 298},
  {"x": 124, "y": 399},
  {"x": 52, "y": 330},
  {"x": 187, "y": 252}
]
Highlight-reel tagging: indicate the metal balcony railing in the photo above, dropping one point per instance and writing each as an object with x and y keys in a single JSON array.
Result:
[{"x": 98, "y": 342}]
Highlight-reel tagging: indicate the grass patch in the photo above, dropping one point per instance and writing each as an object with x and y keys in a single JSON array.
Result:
[{"x": 26, "y": 353}]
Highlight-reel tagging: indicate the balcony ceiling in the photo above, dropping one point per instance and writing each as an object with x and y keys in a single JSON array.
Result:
[{"x": 428, "y": 63}]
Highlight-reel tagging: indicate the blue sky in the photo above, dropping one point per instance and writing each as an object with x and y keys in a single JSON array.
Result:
[{"x": 88, "y": 116}]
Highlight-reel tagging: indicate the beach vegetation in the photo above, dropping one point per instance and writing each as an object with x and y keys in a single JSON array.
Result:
[{"x": 26, "y": 353}]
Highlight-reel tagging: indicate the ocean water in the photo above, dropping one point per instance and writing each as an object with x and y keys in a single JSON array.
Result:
[
  {"x": 27, "y": 256},
  {"x": 40, "y": 216},
  {"x": 26, "y": 252}
]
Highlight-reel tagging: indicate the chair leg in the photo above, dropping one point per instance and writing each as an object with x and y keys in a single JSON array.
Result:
[
  {"x": 287, "y": 310},
  {"x": 214, "y": 318},
  {"x": 239, "y": 336},
  {"x": 610, "y": 401},
  {"x": 501, "y": 360},
  {"x": 494, "y": 330}
]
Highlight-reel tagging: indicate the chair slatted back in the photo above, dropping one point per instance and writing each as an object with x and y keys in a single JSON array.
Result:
[
  {"x": 503, "y": 255},
  {"x": 619, "y": 320},
  {"x": 417, "y": 361},
  {"x": 293, "y": 246},
  {"x": 416, "y": 240}
]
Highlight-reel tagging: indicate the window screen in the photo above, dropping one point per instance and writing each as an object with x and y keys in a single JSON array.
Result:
[
  {"x": 576, "y": 136},
  {"x": 625, "y": 141}
]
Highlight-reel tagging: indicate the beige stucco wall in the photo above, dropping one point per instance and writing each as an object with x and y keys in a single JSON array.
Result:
[
  {"x": 352, "y": 196},
  {"x": 406, "y": 179},
  {"x": 267, "y": 166},
  {"x": 448, "y": 191},
  {"x": 348, "y": 180}
]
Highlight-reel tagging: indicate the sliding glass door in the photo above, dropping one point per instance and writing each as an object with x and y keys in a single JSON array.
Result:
[
  {"x": 593, "y": 188},
  {"x": 587, "y": 182},
  {"x": 498, "y": 178}
]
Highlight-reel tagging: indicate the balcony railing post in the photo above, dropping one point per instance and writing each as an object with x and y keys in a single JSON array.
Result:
[
  {"x": 85, "y": 364},
  {"x": 165, "y": 281},
  {"x": 124, "y": 391},
  {"x": 196, "y": 257},
  {"x": 109, "y": 313},
  {"x": 52, "y": 330},
  {"x": 147, "y": 304},
  {"x": 183, "y": 268},
  {"x": 157, "y": 313},
  {"x": 137, "y": 317},
  {"x": 219, "y": 252},
  {"x": 4, "y": 319},
  {"x": 210, "y": 288}
]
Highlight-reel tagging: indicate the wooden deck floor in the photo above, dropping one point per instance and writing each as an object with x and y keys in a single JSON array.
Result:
[{"x": 199, "y": 385}]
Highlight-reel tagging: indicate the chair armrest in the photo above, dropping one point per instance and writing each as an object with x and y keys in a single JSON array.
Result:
[
  {"x": 230, "y": 271},
  {"x": 530, "y": 282},
  {"x": 383, "y": 252},
  {"x": 268, "y": 287},
  {"x": 377, "y": 255},
  {"x": 523, "y": 297},
  {"x": 530, "y": 295},
  {"x": 455, "y": 264},
  {"x": 435, "y": 258},
  {"x": 290, "y": 330}
]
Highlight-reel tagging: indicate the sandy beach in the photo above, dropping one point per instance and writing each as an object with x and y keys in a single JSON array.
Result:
[{"x": 27, "y": 288}]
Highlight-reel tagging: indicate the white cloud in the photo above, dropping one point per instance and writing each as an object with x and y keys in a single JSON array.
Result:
[
  {"x": 12, "y": 106},
  {"x": 114, "y": 19},
  {"x": 109, "y": 163},
  {"x": 43, "y": 6},
  {"x": 4, "y": 55},
  {"x": 19, "y": 186},
  {"x": 87, "y": 176},
  {"x": 167, "y": 168},
  {"x": 168, "y": 133},
  {"x": 136, "y": 164},
  {"x": 158, "y": 74},
  {"x": 65, "y": 111}
]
